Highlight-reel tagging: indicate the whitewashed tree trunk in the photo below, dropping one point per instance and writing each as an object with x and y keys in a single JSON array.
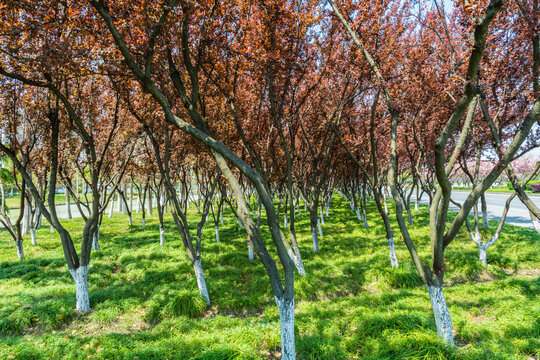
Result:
[
  {"x": 441, "y": 313},
  {"x": 95, "y": 243},
  {"x": 315, "y": 239},
  {"x": 161, "y": 236},
  {"x": 26, "y": 221},
  {"x": 221, "y": 217},
  {"x": 130, "y": 221},
  {"x": 217, "y": 233},
  {"x": 111, "y": 209},
  {"x": 52, "y": 229},
  {"x": 286, "y": 320},
  {"x": 143, "y": 223},
  {"x": 20, "y": 250},
  {"x": 320, "y": 228},
  {"x": 485, "y": 221},
  {"x": 201, "y": 283},
  {"x": 392, "y": 249},
  {"x": 385, "y": 206},
  {"x": 416, "y": 205},
  {"x": 482, "y": 253},
  {"x": 358, "y": 215},
  {"x": 138, "y": 205},
  {"x": 250, "y": 250},
  {"x": 409, "y": 214},
  {"x": 33, "y": 235},
  {"x": 68, "y": 206},
  {"x": 285, "y": 225},
  {"x": 297, "y": 260},
  {"x": 80, "y": 276},
  {"x": 535, "y": 222},
  {"x": 322, "y": 217},
  {"x": 366, "y": 225},
  {"x": 131, "y": 196}
]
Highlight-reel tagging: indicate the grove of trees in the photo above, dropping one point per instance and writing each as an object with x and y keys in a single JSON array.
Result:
[{"x": 259, "y": 106}]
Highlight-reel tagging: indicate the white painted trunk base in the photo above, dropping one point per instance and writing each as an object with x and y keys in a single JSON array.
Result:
[
  {"x": 130, "y": 221},
  {"x": 111, "y": 209},
  {"x": 358, "y": 215},
  {"x": 320, "y": 228},
  {"x": 322, "y": 217},
  {"x": 221, "y": 217},
  {"x": 286, "y": 320},
  {"x": 441, "y": 313},
  {"x": 20, "y": 250},
  {"x": 297, "y": 260},
  {"x": 411, "y": 221},
  {"x": 201, "y": 283},
  {"x": 285, "y": 224},
  {"x": 161, "y": 236},
  {"x": 80, "y": 276},
  {"x": 416, "y": 205},
  {"x": 250, "y": 250},
  {"x": 143, "y": 223},
  {"x": 52, "y": 229},
  {"x": 217, "y": 233},
  {"x": 95, "y": 243},
  {"x": 482, "y": 253},
  {"x": 536, "y": 225},
  {"x": 315, "y": 239},
  {"x": 392, "y": 249},
  {"x": 366, "y": 225},
  {"x": 33, "y": 235}
]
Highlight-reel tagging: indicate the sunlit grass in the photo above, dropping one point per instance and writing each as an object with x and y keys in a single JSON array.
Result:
[{"x": 351, "y": 305}]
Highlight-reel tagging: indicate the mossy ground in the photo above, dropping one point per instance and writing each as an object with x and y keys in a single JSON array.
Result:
[{"x": 351, "y": 305}]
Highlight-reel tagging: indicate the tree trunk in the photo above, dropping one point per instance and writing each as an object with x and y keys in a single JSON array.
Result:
[
  {"x": 111, "y": 209},
  {"x": 250, "y": 250},
  {"x": 33, "y": 234},
  {"x": 130, "y": 220},
  {"x": 68, "y": 205},
  {"x": 52, "y": 229},
  {"x": 535, "y": 221},
  {"x": 217, "y": 233},
  {"x": 286, "y": 319},
  {"x": 201, "y": 283},
  {"x": 20, "y": 250},
  {"x": 321, "y": 217},
  {"x": 80, "y": 276},
  {"x": 27, "y": 217},
  {"x": 149, "y": 202},
  {"x": 161, "y": 236},
  {"x": 441, "y": 313},
  {"x": 120, "y": 206},
  {"x": 485, "y": 221},
  {"x": 320, "y": 228},
  {"x": 392, "y": 248},
  {"x": 366, "y": 225},
  {"x": 124, "y": 204},
  {"x": 482, "y": 253},
  {"x": 409, "y": 214},
  {"x": 95, "y": 243},
  {"x": 315, "y": 239}
]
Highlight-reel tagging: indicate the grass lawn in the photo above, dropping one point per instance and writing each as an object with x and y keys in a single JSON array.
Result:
[{"x": 351, "y": 305}]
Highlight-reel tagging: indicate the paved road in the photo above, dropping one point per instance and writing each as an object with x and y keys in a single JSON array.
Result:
[{"x": 518, "y": 214}]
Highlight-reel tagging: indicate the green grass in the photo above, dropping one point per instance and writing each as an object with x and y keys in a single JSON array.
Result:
[{"x": 351, "y": 305}]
